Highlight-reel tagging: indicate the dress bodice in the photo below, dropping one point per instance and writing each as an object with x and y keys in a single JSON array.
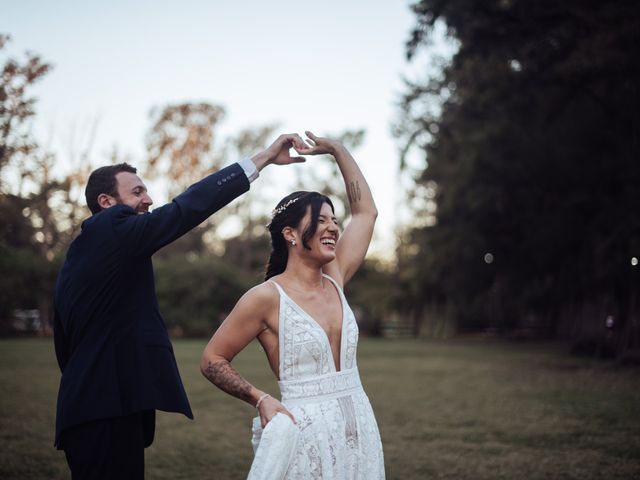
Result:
[
  {"x": 305, "y": 351},
  {"x": 336, "y": 435}
]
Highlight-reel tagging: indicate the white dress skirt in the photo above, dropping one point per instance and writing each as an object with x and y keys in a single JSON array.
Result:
[{"x": 336, "y": 436}]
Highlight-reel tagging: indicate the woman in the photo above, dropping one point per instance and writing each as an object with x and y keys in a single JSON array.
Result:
[{"x": 324, "y": 427}]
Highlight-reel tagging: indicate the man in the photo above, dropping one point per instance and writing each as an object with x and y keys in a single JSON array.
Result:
[{"x": 111, "y": 342}]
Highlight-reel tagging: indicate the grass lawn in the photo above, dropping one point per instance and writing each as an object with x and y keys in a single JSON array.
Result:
[{"x": 455, "y": 410}]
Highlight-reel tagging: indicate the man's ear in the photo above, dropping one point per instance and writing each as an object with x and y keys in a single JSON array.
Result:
[{"x": 106, "y": 201}]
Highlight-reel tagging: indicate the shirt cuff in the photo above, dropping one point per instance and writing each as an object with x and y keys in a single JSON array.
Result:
[{"x": 249, "y": 168}]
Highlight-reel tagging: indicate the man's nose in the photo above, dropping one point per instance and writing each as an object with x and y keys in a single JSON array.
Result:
[{"x": 148, "y": 200}]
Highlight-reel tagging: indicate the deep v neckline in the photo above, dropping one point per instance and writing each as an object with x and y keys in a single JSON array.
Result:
[{"x": 317, "y": 324}]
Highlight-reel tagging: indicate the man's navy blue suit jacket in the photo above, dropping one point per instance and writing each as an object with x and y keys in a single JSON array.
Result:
[{"x": 110, "y": 339}]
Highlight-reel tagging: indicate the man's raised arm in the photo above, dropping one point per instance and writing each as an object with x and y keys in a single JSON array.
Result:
[{"x": 149, "y": 232}]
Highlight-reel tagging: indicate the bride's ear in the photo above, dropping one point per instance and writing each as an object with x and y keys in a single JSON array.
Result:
[{"x": 288, "y": 234}]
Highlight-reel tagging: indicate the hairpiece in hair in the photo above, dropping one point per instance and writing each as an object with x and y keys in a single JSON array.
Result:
[{"x": 283, "y": 207}]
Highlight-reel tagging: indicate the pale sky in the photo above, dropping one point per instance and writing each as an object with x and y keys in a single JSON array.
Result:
[{"x": 323, "y": 66}]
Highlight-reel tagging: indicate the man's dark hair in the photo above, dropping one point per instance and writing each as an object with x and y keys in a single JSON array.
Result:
[{"x": 103, "y": 180}]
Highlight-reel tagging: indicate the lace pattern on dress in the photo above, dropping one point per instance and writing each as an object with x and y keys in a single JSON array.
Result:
[
  {"x": 339, "y": 436},
  {"x": 325, "y": 387}
]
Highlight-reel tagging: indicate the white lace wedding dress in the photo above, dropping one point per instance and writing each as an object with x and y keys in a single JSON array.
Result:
[{"x": 336, "y": 436}]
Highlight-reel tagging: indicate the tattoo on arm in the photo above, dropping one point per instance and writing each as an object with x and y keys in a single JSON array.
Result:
[
  {"x": 353, "y": 192},
  {"x": 227, "y": 378}
]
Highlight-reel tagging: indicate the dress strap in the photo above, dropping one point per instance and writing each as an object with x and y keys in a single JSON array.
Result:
[
  {"x": 280, "y": 289},
  {"x": 333, "y": 281}
]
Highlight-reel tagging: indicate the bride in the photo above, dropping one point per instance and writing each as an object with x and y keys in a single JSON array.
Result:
[{"x": 323, "y": 427}]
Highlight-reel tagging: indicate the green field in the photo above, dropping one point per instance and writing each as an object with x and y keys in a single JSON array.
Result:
[{"x": 456, "y": 410}]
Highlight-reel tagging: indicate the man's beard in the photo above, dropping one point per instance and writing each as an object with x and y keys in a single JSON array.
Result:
[{"x": 138, "y": 209}]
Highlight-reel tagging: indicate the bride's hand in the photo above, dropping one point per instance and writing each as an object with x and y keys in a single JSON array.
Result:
[
  {"x": 269, "y": 407},
  {"x": 317, "y": 145}
]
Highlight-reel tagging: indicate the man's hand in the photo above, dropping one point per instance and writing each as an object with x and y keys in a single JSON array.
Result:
[{"x": 278, "y": 151}]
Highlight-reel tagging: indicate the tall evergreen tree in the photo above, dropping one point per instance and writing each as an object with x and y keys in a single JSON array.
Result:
[{"x": 534, "y": 157}]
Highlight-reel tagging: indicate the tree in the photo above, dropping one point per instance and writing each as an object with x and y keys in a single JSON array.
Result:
[
  {"x": 530, "y": 137},
  {"x": 40, "y": 212},
  {"x": 196, "y": 293},
  {"x": 181, "y": 143},
  {"x": 16, "y": 107}
]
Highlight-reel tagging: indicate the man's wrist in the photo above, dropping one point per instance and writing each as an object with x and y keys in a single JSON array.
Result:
[
  {"x": 250, "y": 169},
  {"x": 260, "y": 160}
]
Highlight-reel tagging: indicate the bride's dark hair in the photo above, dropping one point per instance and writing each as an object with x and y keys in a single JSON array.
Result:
[{"x": 289, "y": 213}]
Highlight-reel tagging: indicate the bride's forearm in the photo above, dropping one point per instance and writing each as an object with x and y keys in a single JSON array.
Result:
[
  {"x": 227, "y": 378},
  {"x": 358, "y": 191}
]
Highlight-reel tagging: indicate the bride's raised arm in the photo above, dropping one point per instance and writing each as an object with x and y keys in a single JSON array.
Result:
[{"x": 353, "y": 243}]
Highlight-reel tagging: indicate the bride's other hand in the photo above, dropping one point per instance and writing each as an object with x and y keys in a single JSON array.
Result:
[
  {"x": 315, "y": 145},
  {"x": 268, "y": 409}
]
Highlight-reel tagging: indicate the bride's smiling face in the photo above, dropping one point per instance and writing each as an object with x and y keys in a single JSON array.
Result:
[{"x": 324, "y": 241}]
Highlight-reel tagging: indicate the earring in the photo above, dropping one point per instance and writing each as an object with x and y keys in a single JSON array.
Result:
[{"x": 292, "y": 242}]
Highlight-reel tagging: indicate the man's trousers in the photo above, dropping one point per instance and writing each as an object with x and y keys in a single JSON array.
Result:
[{"x": 111, "y": 448}]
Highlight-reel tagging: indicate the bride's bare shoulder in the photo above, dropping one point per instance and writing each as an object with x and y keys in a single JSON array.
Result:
[{"x": 264, "y": 294}]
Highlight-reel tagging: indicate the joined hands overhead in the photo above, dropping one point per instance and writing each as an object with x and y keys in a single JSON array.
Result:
[{"x": 278, "y": 153}]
